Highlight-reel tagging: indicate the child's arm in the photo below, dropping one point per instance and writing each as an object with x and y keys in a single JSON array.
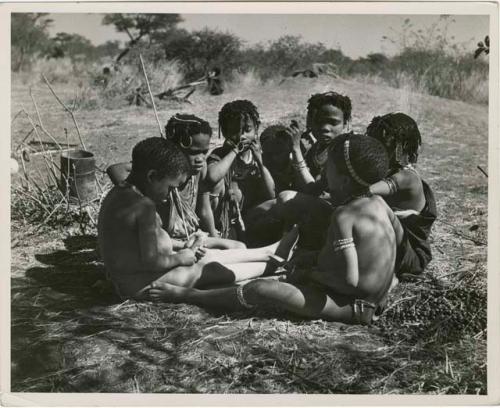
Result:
[
  {"x": 217, "y": 170},
  {"x": 119, "y": 172},
  {"x": 152, "y": 259},
  {"x": 303, "y": 175},
  {"x": 344, "y": 245},
  {"x": 204, "y": 211},
  {"x": 403, "y": 180},
  {"x": 269, "y": 186},
  {"x": 339, "y": 253}
]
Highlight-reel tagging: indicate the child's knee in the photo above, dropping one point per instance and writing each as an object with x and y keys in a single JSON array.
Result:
[
  {"x": 286, "y": 195},
  {"x": 261, "y": 291},
  {"x": 236, "y": 245}
]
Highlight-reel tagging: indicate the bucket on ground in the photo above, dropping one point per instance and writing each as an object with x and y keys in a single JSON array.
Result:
[{"x": 78, "y": 175}]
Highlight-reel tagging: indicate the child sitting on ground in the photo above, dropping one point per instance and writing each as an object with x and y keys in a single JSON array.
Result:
[
  {"x": 276, "y": 154},
  {"x": 185, "y": 212},
  {"x": 328, "y": 116},
  {"x": 236, "y": 174},
  {"x": 136, "y": 250},
  {"x": 356, "y": 265},
  {"x": 407, "y": 194}
]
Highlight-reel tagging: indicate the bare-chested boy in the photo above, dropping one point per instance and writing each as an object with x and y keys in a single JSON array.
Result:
[
  {"x": 357, "y": 263},
  {"x": 137, "y": 251}
]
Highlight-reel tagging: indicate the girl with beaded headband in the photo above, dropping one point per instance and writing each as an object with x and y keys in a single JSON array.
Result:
[
  {"x": 238, "y": 178},
  {"x": 404, "y": 190}
]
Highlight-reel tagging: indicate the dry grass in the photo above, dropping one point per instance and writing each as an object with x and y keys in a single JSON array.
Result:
[{"x": 69, "y": 332}]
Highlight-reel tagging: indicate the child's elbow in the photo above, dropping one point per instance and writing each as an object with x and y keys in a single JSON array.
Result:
[
  {"x": 212, "y": 178},
  {"x": 352, "y": 280}
]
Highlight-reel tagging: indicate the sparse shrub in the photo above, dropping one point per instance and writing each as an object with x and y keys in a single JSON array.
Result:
[{"x": 113, "y": 89}]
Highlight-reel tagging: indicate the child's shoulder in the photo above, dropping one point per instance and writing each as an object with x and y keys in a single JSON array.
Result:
[
  {"x": 407, "y": 178},
  {"x": 219, "y": 152},
  {"x": 351, "y": 211},
  {"x": 127, "y": 197}
]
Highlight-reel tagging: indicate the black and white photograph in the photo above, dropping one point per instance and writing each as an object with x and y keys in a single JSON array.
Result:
[{"x": 250, "y": 202}]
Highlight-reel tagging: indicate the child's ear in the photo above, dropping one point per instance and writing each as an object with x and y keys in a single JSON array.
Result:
[
  {"x": 151, "y": 175},
  {"x": 347, "y": 126}
]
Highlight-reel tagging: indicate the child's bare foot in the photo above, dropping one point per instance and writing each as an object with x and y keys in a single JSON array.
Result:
[
  {"x": 287, "y": 244},
  {"x": 284, "y": 251},
  {"x": 161, "y": 291}
]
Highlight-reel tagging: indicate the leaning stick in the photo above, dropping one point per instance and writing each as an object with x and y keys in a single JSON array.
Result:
[
  {"x": 37, "y": 134},
  {"x": 40, "y": 119},
  {"x": 151, "y": 94},
  {"x": 15, "y": 116},
  {"x": 67, "y": 110}
]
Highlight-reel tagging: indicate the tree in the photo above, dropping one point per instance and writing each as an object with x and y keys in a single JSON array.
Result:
[
  {"x": 108, "y": 49},
  {"x": 139, "y": 26},
  {"x": 29, "y": 36},
  {"x": 201, "y": 50},
  {"x": 72, "y": 46}
]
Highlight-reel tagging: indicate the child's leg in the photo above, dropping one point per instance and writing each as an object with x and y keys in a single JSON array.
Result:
[
  {"x": 281, "y": 249},
  {"x": 223, "y": 243},
  {"x": 305, "y": 301},
  {"x": 263, "y": 226},
  {"x": 310, "y": 212}
]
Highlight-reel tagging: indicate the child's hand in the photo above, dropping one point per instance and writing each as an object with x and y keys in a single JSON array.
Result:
[
  {"x": 244, "y": 144},
  {"x": 200, "y": 253},
  {"x": 294, "y": 133},
  {"x": 187, "y": 257},
  {"x": 256, "y": 151}
]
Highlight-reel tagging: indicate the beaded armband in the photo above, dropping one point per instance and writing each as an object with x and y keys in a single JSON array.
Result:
[
  {"x": 342, "y": 244},
  {"x": 241, "y": 298},
  {"x": 300, "y": 165},
  {"x": 393, "y": 187}
]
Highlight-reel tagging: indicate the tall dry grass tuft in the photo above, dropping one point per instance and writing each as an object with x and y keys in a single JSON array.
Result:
[
  {"x": 61, "y": 70},
  {"x": 117, "y": 87},
  {"x": 246, "y": 80}
]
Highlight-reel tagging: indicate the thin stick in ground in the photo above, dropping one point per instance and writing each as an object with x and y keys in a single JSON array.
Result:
[
  {"x": 40, "y": 119},
  {"x": 67, "y": 110},
  {"x": 151, "y": 95}
]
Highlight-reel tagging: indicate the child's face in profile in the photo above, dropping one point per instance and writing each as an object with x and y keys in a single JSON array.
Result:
[
  {"x": 159, "y": 188},
  {"x": 328, "y": 123},
  {"x": 337, "y": 183},
  {"x": 197, "y": 152},
  {"x": 276, "y": 154}
]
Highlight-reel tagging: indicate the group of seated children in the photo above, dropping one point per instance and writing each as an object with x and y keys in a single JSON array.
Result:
[{"x": 176, "y": 225}]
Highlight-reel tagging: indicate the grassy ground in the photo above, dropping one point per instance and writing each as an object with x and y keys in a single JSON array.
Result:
[{"x": 71, "y": 334}]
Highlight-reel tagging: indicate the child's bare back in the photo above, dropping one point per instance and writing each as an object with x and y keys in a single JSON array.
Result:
[{"x": 375, "y": 232}]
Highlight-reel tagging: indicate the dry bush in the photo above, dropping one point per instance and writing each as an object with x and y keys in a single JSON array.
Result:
[{"x": 113, "y": 90}]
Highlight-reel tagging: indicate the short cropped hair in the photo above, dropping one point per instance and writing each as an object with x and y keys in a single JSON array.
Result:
[
  {"x": 274, "y": 133},
  {"x": 399, "y": 134},
  {"x": 182, "y": 126},
  {"x": 367, "y": 158},
  {"x": 161, "y": 155},
  {"x": 316, "y": 101},
  {"x": 238, "y": 112}
]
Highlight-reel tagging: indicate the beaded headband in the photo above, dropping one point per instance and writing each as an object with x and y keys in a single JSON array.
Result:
[
  {"x": 182, "y": 142},
  {"x": 348, "y": 163}
]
